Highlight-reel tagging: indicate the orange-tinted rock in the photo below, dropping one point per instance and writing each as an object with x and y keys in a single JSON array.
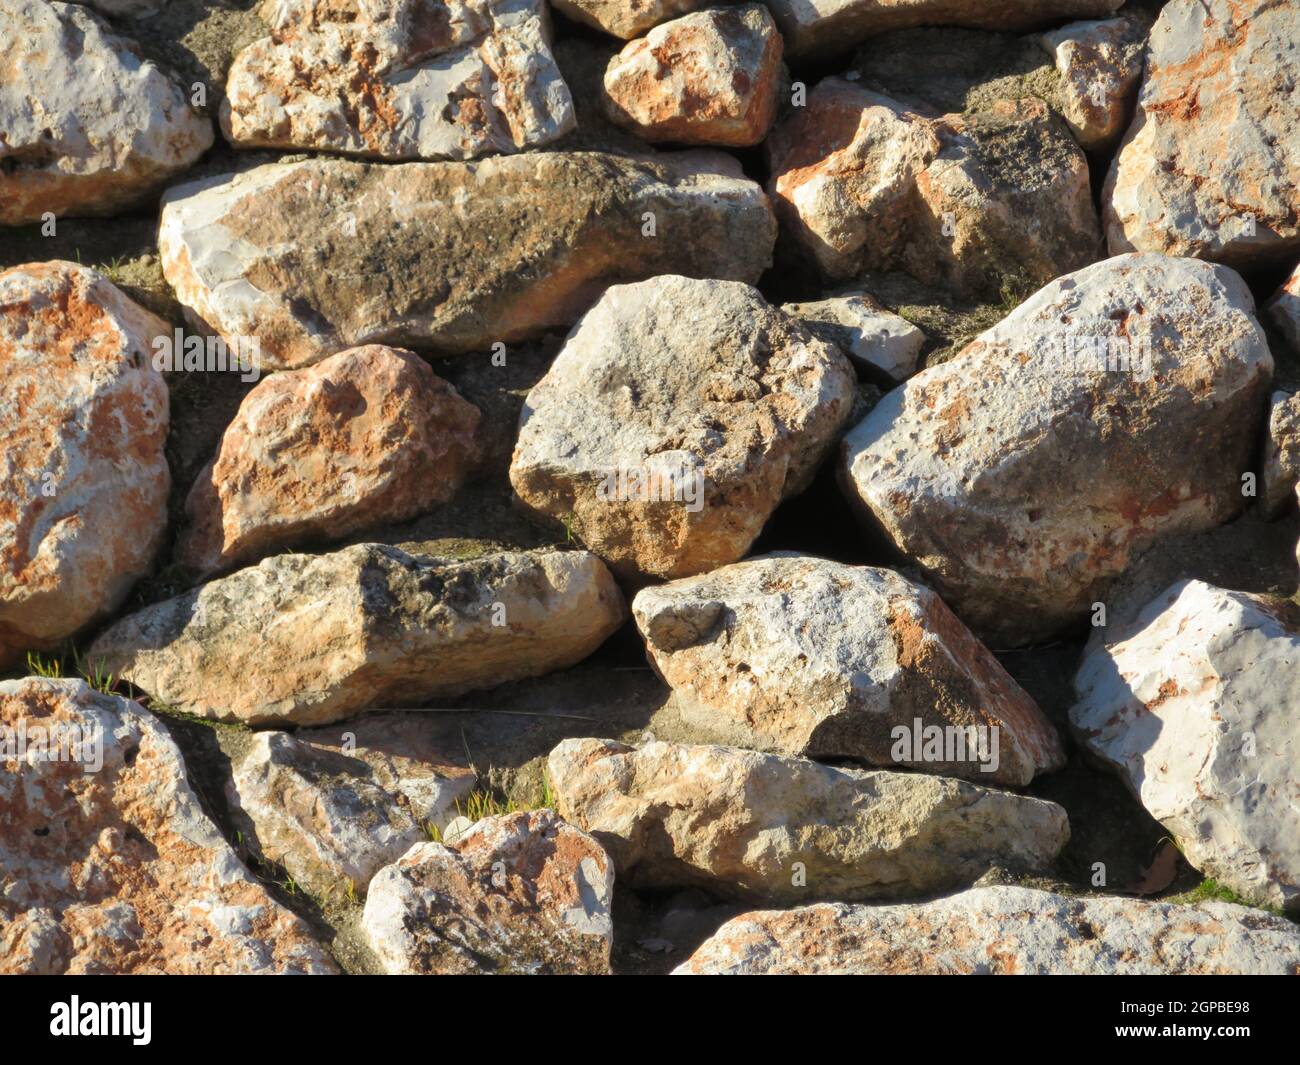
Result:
[
  {"x": 367, "y": 437},
  {"x": 108, "y": 863},
  {"x": 87, "y": 126},
  {"x": 83, "y": 478},
  {"x": 706, "y": 78}
]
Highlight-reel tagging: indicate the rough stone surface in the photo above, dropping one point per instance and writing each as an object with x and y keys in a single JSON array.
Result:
[
  {"x": 524, "y": 893},
  {"x": 799, "y": 655},
  {"x": 814, "y": 28},
  {"x": 707, "y": 78},
  {"x": 399, "y": 79},
  {"x": 88, "y": 128},
  {"x": 301, "y": 639},
  {"x": 1100, "y": 65},
  {"x": 367, "y": 437},
  {"x": 318, "y": 256},
  {"x": 1211, "y": 165},
  {"x": 332, "y": 812},
  {"x": 759, "y": 826},
  {"x": 83, "y": 477},
  {"x": 1193, "y": 704},
  {"x": 966, "y": 201},
  {"x": 879, "y": 342},
  {"x": 1027, "y": 471},
  {"x": 1281, "y": 453},
  {"x": 1283, "y": 311},
  {"x": 1004, "y": 931},
  {"x": 677, "y": 416},
  {"x": 117, "y": 869},
  {"x": 625, "y": 18}
]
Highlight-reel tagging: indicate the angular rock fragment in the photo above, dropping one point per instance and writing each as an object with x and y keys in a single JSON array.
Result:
[
  {"x": 800, "y": 655},
  {"x": 758, "y": 826},
  {"x": 883, "y": 344},
  {"x": 83, "y": 476},
  {"x": 819, "y": 28},
  {"x": 1193, "y": 704},
  {"x": 971, "y": 202},
  {"x": 1027, "y": 471},
  {"x": 707, "y": 78},
  {"x": 1100, "y": 64},
  {"x": 108, "y": 864},
  {"x": 332, "y": 811},
  {"x": 625, "y": 18},
  {"x": 367, "y": 437},
  {"x": 523, "y": 893},
  {"x": 87, "y": 127},
  {"x": 1210, "y": 166},
  {"x": 1004, "y": 931},
  {"x": 677, "y": 416},
  {"x": 1281, "y": 454},
  {"x": 322, "y": 255},
  {"x": 302, "y": 639},
  {"x": 399, "y": 79},
  {"x": 1283, "y": 311}
]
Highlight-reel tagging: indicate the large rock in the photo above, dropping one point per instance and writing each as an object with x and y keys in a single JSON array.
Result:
[
  {"x": 108, "y": 863},
  {"x": 759, "y": 826},
  {"x": 1118, "y": 405},
  {"x": 971, "y": 202},
  {"x": 818, "y": 28},
  {"x": 1281, "y": 453},
  {"x": 1100, "y": 64},
  {"x": 318, "y": 256},
  {"x": 365, "y": 438},
  {"x": 799, "y": 655},
  {"x": 1004, "y": 931},
  {"x": 625, "y": 18},
  {"x": 87, "y": 127},
  {"x": 302, "y": 639},
  {"x": 677, "y": 416},
  {"x": 1193, "y": 704},
  {"x": 83, "y": 477},
  {"x": 399, "y": 79},
  {"x": 332, "y": 811},
  {"x": 519, "y": 894},
  {"x": 1211, "y": 164},
  {"x": 882, "y": 344},
  {"x": 707, "y": 78},
  {"x": 1283, "y": 310}
]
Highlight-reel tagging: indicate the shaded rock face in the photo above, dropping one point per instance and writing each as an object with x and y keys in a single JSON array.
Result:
[
  {"x": 108, "y": 864},
  {"x": 1284, "y": 311},
  {"x": 1281, "y": 454},
  {"x": 1211, "y": 166},
  {"x": 969, "y": 202},
  {"x": 332, "y": 814},
  {"x": 83, "y": 477},
  {"x": 821, "y": 28},
  {"x": 89, "y": 128},
  {"x": 367, "y": 437},
  {"x": 708, "y": 78},
  {"x": 677, "y": 416},
  {"x": 756, "y": 826},
  {"x": 318, "y": 256},
  {"x": 1027, "y": 471},
  {"x": 302, "y": 639},
  {"x": 878, "y": 342},
  {"x": 519, "y": 894},
  {"x": 399, "y": 79},
  {"x": 1004, "y": 931},
  {"x": 1193, "y": 705},
  {"x": 800, "y": 655},
  {"x": 625, "y": 18},
  {"x": 1100, "y": 65}
]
